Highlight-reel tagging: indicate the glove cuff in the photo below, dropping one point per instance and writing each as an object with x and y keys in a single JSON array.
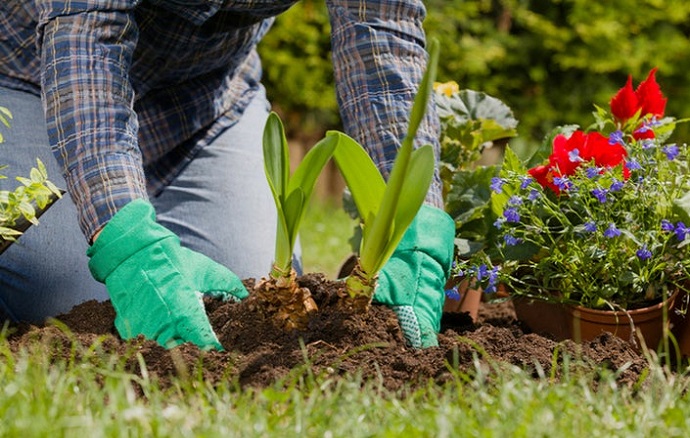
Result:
[
  {"x": 131, "y": 229},
  {"x": 433, "y": 233}
]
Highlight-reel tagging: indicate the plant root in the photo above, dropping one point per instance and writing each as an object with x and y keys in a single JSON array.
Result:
[
  {"x": 282, "y": 298},
  {"x": 357, "y": 295}
]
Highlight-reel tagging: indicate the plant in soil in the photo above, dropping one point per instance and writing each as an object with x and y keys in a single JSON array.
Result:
[
  {"x": 279, "y": 294},
  {"x": 385, "y": 209},
  {"x": 21, "y": 207}
]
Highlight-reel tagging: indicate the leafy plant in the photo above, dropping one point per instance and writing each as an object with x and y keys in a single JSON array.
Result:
[
  {"x": 386, "y": 209},
  {"x": 21, "y": 207},
  {"x": 601, "y": 222},
  {"x": 472, "y": 124},
  {"x": 280, "y": 293}
]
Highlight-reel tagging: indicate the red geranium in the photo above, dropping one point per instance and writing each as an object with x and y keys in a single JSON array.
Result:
[{"x": 647, "y": 98}]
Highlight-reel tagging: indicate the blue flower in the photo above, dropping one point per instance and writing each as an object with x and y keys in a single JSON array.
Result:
[
  {"x": 562, "y": 182},
  {"x": 633, "y": 165},
  {"x": 616, "y": 137},
  {"x": 681, "y": 231},
  {"x": 590, "y": 227},
  {"x": 511, "y": 214},
  {"x": 647, "y": 144},
  {"x": 617, "y": 185},
  {"x": 671, "y": 151},
  {"x": 574, "y": 156},
  {"x": 493, "y": 280},
  {"x": 667, "y": 225},
  {"x": 453, "y": 293},
  {"x": 644, "y": 253},
  {"x": 498, "y": 223},
  {"x": 533, "y": 194},
  {"x": 515, "y": 200},
  {"x": 612, "y": 231},
  {"x": 497, "y": 184},
  {"x": 511, "y": 240},
  {"x": 525, "y": 181},
  {"x": 600, "y": 194},
  {"x": 482, "y": 271},
  {"x": 593, "y": 172}
]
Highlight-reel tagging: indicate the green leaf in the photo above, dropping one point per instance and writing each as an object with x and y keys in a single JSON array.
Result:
[
  {"x": 413, "y": 193},
  {"x": 305, "y": 176},
  {"x": 379, "y": 234},
  {"x": 360, "y": 174},
  {"x": 470, "y": 105},
  {"x": 681, "y": 207},
  {"x": 276, "y": 157}
]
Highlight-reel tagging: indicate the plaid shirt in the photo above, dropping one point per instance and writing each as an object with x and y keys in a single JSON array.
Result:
[{"x": 132, "y": 89}]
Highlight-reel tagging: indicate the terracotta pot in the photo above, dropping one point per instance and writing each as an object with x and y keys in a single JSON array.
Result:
[
  {"x": 469, "y": 301},
  {"x": 580, "y": 324}
]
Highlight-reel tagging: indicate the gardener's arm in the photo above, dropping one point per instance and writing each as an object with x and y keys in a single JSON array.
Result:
[
  {"x": 379, "y": 58},
  {"x": 86, "y": 52}
]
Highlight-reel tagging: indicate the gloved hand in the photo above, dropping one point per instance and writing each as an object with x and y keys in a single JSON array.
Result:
[
  {"x": 412, "y": 281},
  {"x": 156, "y": 286}
]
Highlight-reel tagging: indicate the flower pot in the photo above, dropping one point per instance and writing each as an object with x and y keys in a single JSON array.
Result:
[
  {"x": 581, "y": 324},
  {"x": 469, "y": 301}
]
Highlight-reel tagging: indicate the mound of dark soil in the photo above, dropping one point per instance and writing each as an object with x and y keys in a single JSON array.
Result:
[{"x": 258, "y": 354}]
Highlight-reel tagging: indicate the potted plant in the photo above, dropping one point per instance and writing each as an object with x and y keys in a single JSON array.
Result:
[
  {"x": 22, "y": 206},
  {"x": 475, "y": 129},
  {"x": 595, "y": 220}
]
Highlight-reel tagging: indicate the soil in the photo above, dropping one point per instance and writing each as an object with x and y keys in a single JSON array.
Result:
[{"x": 260, "y": 355}]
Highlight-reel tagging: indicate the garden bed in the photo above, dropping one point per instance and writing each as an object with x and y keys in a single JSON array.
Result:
[{"x": 259, "y": 355}]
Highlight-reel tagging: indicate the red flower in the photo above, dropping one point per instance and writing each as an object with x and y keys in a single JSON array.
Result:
[
  {"x": 625, "y": 103},
  {"x": 651, "y": 98},
  {"x": 597, "y": 148},
  {"x": 570, "y": 152},
  {"x": 647, "y": 98}
]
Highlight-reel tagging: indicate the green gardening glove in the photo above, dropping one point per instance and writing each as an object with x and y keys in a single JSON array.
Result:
[
  {"x": 155, "y": 284},
  {"x": 413, "y": 280}
]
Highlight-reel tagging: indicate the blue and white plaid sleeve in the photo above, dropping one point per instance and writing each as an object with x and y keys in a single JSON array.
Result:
[
  {"x": 86, "y": 49},
  {"x": 379, "y": 59}
]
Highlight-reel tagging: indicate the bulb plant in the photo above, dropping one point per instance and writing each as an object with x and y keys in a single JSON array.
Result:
[
  {"x": 386, "y": 209},
  {"x": 279, "y": 294}
]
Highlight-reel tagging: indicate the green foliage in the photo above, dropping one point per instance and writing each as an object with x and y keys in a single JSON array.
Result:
[
  {"x": 35, "y": 191},
  {"x": 291, "y": 193},
  {"x": 106, "y": 399},
  {"x": 387, "y": 209},
  {"x": 20, "y": 204},
  {"x": 547, "y": 60}
]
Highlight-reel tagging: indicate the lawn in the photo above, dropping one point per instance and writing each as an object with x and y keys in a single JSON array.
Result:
[{"x": 89, "y": 393}]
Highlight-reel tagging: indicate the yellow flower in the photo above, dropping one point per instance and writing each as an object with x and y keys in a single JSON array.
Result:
[{"x": 447, "y": 88}]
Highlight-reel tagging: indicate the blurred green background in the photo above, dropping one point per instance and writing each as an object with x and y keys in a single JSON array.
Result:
[{"x": 549, "y": 61}]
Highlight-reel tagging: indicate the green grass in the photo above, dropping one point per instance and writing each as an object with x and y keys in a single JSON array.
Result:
[
  {"x": 94, "y": 397},
  {"x": 89, "y": 393},
  {"x": 324, "y": 235}
]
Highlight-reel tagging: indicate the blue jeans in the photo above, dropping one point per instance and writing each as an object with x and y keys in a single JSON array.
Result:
[{"x": 220, "y": 205}]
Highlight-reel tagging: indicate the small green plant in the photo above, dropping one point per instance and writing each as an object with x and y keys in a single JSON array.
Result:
[
  {"x": 385, "y": 209},
  {"x": 280, "y": 294},
  {"x": 18, "y": 207}
]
